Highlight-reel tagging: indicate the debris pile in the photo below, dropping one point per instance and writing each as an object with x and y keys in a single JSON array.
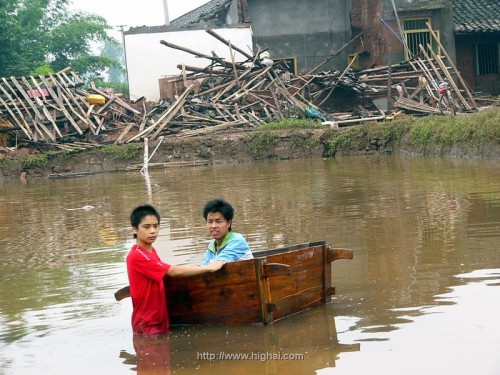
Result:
[
  {"x": 55, "y": 108},
  {"x": 58, "y": 109}
]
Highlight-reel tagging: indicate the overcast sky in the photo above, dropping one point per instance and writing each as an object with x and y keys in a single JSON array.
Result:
[{"x": 136, "y": 13}]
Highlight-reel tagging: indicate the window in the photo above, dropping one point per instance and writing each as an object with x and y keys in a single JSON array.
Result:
[
  {"x": 416, "y": 32},
  {"x": 487, "y": 58}
]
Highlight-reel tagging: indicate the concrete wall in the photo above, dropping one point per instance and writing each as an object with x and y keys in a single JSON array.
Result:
[
  {"x": 148, "y": 61},
  {"x": 309, "y": 30}
]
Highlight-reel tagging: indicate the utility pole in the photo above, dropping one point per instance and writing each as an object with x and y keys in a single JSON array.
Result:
[
  {"x": 165, "y": 9},
  {"x": 121, "y": 28}
]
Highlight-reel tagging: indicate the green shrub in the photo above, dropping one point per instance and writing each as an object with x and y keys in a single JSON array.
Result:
[
  {"x": 127, "y": 151},
  {"x": 31, "y": 161},
  {"x": 261, "y": 140}
]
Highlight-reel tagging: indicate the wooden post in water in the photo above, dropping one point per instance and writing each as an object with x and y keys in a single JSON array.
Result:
[{"x": 146, "y": 156}]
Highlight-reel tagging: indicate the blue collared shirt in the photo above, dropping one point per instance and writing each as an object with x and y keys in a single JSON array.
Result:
[{"x": 234, "y": 247}]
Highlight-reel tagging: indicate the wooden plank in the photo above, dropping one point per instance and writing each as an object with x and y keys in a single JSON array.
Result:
[
  {"x": 229, "y": 296},
  {"x": 76, "y": 77},
  {"x": 235, "y": 71},
  {"x": 41, "y": 104},
  {"x": 293, "y": 304},
  {"x": 430, "y": 80},
  {"x": 175, "y": 108},
  {"x": 26, "y": 128},
  {"x": 450, "y": 61},
  {"x": 431, "y": 64},
  {"x": 328, "y": 290},
  {"x": 118, "y": 101},
  {"x": 211, "y": 129},
  {"x": 227, "y": 43},
  {"x": 197, "y": 54},
  {"x": 70, "y": 98},
  {"x": 124, "y": 133},
  {"x": 59, "y": 102},
  {"x": 33, "y": 106},
  {"x": 166, "y": 116},
  {"x": 297, "y": 283},
  {"x": 227, "y": 304},
  {"x": 450, "y": 80}
]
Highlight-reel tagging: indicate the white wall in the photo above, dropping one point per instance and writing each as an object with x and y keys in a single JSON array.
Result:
[{"x": 148, "y": 60}]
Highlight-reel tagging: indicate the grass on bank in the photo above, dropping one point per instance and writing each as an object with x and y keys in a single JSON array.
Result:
[{"x": 473, "y": 130}]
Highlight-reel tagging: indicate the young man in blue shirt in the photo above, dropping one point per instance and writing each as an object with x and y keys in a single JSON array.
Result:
[{"x": 226, "y": 245}]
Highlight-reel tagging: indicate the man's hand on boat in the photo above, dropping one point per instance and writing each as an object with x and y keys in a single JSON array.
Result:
[
  {"x": 214, "y": 266},
  {"x": 191, "y": 270}
]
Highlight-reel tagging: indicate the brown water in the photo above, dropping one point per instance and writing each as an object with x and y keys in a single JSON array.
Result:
[{"x": 421, "y": 295}]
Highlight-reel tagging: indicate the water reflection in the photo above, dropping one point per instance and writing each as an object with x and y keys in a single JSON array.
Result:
[
  {"x": 413, "y": 224},
  {"x": 299, "y": 345}
]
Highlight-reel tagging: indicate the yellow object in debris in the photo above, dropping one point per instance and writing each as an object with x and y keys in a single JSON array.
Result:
[
  {"x": 393, "y": 115},
  {"x": 96, "y": 99}
]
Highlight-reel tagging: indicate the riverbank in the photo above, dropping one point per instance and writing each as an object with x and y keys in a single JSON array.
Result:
[{"x": 470, "y": 135}]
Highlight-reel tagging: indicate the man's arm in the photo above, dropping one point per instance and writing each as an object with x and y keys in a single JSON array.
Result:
[
  {"x": 188, "y": 270},
  {"x": 176, "y": 271}
]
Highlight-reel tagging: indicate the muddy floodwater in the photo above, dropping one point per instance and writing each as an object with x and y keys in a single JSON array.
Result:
[{"x": 421, "y": 296}]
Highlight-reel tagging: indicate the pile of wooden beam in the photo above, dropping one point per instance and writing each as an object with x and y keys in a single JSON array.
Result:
[
  {"x": 427, "y": 84},
  {"x": 234, "y": 95},
  {"x": 239, "y": 94},
  {"x": 50, "y": 108},
  {"x": 243, "y": 94}
]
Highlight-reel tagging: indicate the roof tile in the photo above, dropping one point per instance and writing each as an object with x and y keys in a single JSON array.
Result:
[{"x": 476, "y": 16}]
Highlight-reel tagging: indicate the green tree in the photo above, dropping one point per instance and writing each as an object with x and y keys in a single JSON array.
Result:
[{"x": 41, "y": 33}]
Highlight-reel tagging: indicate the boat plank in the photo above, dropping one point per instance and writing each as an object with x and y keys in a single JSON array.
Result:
[
  {"x": 298, "y": 302},
  {"x": 227, "y": 305},
  {"x": 228, "y": 296},
  {"x": 300, "y": 280}
]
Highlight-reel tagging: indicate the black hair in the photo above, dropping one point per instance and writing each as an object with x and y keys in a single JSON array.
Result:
[
  {"x": 219, "y": 205},
  {"x": 140, "y": 212}
]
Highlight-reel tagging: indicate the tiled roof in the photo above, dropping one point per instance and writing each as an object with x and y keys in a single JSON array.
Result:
[
  {"x": 476, "y": 16},
  {"x": 199, "y": 14}
]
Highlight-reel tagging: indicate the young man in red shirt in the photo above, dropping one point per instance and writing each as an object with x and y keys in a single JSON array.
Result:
[{"x": 146, "y": 271}]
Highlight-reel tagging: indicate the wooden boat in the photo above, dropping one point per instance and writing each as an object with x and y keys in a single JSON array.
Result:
[{"x": 275, "y": 284}]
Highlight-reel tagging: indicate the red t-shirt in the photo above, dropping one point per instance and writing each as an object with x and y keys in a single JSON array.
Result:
[{"x": 145, "y": 274}]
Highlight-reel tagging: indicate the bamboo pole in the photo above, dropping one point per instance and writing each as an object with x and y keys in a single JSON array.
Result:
[
  {"x": 227, "y": 43},
  {"x": 41, "y": 104},
  {"x": 450, "y": 79},
  {"x": 26, "y": 128},
  {"x": 166, "y": 116},
  {"x": 338, "y": 79},
  {"x": 197, "y": 54},
  {"x": 235, "y": 71},
  {"x": 33, "y": 106},
  {"x": 62, "y": 108},
  {"x": 450, "y": 61}
]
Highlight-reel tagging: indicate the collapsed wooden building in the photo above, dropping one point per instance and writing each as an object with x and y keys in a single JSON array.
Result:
[{"x": 58, "y": 109}]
